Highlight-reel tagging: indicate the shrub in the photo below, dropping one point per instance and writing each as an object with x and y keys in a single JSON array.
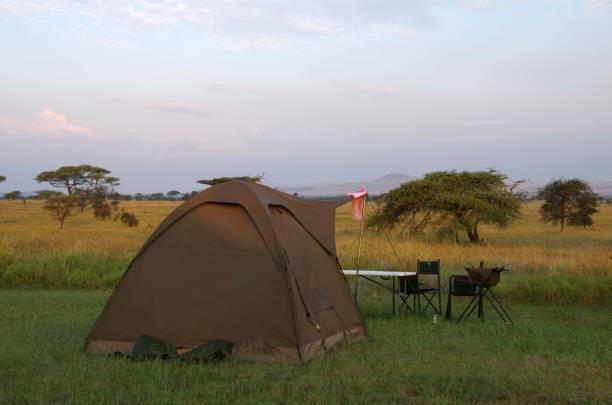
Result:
[
  {"x": 101, "y": 209},
  {"x": 129, "y": 219}
]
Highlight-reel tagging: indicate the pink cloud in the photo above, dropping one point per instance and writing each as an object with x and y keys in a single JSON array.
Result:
[
  {"x": 54, "y": 122},
  {"x": 50, "y": 123}
]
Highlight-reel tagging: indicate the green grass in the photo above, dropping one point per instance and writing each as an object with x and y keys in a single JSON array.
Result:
[{"x": 555, "y": 354}]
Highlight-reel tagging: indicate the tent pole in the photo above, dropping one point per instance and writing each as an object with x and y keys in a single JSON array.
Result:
[{"x": 359, "y": 248}]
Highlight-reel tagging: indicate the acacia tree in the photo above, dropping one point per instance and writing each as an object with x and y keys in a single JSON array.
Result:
[
  {"x": 218, "y": 180},
  {"x": 98, "y": 198},
  {"x": 14, "y": 195},
  {"x": 81, "y": 178},
  {"x": 173, "y": 194},
  {"x": 60, "y": 207},
  {"x": 85, "y": 182},
  {"x": 450, "y": 203},
  {"x": 47, "y": 194},
  {"x": 568, "y": 202},
  {"x": 187, "y": 196}
]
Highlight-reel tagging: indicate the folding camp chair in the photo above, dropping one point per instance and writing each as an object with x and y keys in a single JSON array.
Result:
[
  {"x": 413, "y": 286},
  {"x": 459, "y": 286},
  {"x": 408, "y": 285},
  {"x": 479, "y": 282}
]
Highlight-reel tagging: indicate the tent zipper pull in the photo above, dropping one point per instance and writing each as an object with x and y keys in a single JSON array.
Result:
[{"x": 314, "y": 324}]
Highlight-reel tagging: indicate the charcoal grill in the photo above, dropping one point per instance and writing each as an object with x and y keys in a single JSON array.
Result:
[{"x": 478, "y": 284}]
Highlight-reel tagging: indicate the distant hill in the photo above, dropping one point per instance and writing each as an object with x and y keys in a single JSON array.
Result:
[
  {"x": 602, "y": 187},
  {"x": 374, "y": 187},
  {"x": 393, "y": 180}
]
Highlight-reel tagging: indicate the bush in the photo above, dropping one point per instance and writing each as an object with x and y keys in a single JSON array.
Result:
[
  {"x": 101, "y": 209},
  {"x": 129, "y": 219}
]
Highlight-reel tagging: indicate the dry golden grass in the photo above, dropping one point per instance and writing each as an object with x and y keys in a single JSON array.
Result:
[
  {"x": 575, "y": 266},
  {"x": 527, "y": 246}
]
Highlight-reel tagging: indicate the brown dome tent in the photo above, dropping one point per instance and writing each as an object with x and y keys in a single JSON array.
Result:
[{"x": 239, "y": 262}]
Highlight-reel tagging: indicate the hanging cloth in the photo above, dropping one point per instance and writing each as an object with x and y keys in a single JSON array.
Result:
[{"x": 358, "y": 203}]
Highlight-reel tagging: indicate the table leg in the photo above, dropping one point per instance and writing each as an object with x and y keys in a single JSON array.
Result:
[
  {"x": 480, "y": 305},
  {"x": 393, "y": 311}
]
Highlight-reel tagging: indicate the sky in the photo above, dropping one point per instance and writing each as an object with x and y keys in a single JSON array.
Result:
[{"x": 165, "y": 93}]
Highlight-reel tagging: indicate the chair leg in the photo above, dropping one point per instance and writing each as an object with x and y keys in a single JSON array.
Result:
[
  {"x": 449, "y": 310},
  {"x": 426, "y": 303},
  {"x": 404, "y": 303},
  {"x": 430, "y": 303},
  {"x": 471, "y": 306}
]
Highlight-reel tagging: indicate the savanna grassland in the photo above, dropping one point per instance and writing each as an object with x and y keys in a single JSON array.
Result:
[
  {"x": 546, "y": 266},
  {"x": 559, "y": 292}
]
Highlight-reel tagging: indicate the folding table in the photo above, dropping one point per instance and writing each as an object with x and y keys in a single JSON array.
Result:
[{"x": 367, "y": 274}]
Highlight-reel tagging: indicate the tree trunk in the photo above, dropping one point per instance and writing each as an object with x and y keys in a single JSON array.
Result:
[
  {"x": 473, "y": 234},
  {"x": 562, "y": 224},
  {"x": 61, "y": 221}
]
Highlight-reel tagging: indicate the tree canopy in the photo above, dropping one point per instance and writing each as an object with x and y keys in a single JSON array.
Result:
[
  {"x": 450, "y": 203},
  {"x": 570, "y": 202},
  {"x": 2, "y": 179},
  {"x": 81, "y": 178},
  {"x": 218, "y": 180},
  {"x": 14, "y": 195},
  {"x": 46, "y": 194},
  {"x": 60, "y": 206}
]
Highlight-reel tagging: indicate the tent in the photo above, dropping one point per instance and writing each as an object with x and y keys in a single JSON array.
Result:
[{"x": 239, "y": 262}]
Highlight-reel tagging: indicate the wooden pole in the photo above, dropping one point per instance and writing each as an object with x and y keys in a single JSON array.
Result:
[{"x": 359, "y": 248}]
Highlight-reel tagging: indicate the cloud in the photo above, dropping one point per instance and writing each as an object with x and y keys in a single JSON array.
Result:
[
  {"x": 139, "y": 12},
  {"x": 164, "y": 13},
  {"x": 218, "y": 87},
  {"x": 601, "y": 8},
  {"x": 178, "y": 108},
  {"x": 243, "y": 24},
  {"x": 307, "y": 25},
  {"x": 49, "y": 122},
  {"x": 23, "y": 8},
  {"x": 378, "y": 89},
  {"x": 260, "y": 44},
  {"x": 480, "y": 3},
  {"x": 56, "y": 123},
  {"x": 224, "y": 87}
]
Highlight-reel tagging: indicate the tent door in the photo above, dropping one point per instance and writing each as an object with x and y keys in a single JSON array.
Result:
[{"x": 306, "y": 259}]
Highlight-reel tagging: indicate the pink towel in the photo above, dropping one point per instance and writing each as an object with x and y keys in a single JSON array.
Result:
[{"x": 358, "y": 203}]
